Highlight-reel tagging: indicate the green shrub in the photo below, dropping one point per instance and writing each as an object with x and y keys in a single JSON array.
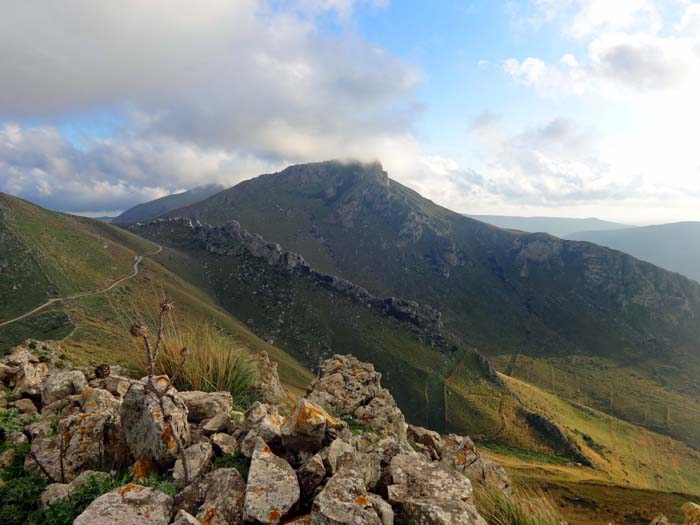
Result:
[
  {"x": 237, "y": 461},
  {"x": 10, "y": 423},
  {"x": 65, "y": 510},
  {"x": 161, "y": 483},
  {"x": 522, "y": 507}
]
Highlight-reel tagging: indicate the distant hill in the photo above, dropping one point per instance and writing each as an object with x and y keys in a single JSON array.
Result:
[
  {"x": 567, "y": 316},
  {"x": 46, "y": 255},
  {"x": 557, "y": 226},
  {"x": 156, "y": 208},
  {"x": 675, "y": 247}
]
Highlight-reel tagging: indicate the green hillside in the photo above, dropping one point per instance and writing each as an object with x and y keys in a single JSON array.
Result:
[
  {"x": 45, "y": 255},
  {"x": 509, "y": 294}
]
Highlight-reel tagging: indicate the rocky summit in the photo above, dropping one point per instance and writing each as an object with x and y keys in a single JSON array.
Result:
[{"x": 342, "y": 454}]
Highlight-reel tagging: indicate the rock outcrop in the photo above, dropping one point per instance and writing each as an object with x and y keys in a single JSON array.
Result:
[
  {"x": 344, "y": 455},
  {"x": 424, "y": 320}
]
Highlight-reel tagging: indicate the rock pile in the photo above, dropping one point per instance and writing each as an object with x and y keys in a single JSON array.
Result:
[{"x": 344, "y": 455}]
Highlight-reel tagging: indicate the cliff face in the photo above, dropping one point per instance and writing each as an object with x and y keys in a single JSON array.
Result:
[{"x": 227, "y": 240}]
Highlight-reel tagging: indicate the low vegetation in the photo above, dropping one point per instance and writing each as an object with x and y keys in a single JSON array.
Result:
[{"x": 522, "y": 507}]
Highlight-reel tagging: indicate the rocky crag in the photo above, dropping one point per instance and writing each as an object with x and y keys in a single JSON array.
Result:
[
  {"x": 344, "y": 455},
  {"x": 424, "y": 320}
]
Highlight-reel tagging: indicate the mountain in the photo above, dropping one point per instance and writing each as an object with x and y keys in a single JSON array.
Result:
[
  {"x": 152, "y": 209},
  {"x": 436, "y": 380},
  {"x": 675, "y": 247},
  {"x": 47, "y": 256},
  {"x": 567, "y": 316},
  {"x": 557, "y": 226}
]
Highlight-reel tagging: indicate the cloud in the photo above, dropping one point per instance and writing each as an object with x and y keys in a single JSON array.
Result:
[
  {"x": 549, "y": 165},
  {"x": 618, "y": 61},
  {"x": 200, "y": 87}
]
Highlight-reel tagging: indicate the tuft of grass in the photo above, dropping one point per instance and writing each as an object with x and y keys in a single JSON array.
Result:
[
  {"x": 237, "y": 461},
  {"x": 215, "y": 362},
  {"x": 10, "y": 423},
  {"x": 522, "y": 507}
]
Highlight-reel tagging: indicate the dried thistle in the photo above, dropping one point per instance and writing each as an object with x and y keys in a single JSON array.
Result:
[
  {"x": 167, "y": 305},
  {"x": 138, "y": 330}
]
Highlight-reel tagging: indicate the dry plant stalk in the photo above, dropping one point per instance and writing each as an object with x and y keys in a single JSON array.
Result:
[{"x": 152, "y": 349}]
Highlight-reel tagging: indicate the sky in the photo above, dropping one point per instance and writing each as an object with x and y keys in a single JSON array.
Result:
[{"x": 574, "y": 108}]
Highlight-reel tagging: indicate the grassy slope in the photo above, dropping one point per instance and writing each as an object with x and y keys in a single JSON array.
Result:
[
  {"x": 53, "y": 254},
  {"x": 506, "y": 295}
]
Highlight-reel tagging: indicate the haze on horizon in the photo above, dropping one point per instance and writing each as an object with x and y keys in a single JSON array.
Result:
[{"x": 567, "y": 108}]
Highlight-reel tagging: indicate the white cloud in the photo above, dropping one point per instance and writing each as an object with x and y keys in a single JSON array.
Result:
[{"x": 203, "y": 87}]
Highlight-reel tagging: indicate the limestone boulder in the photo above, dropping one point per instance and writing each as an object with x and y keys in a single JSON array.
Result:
[
  {"x": 206, "y": 405},
  {"x": 345, "y": 385},
  {"x": 305, "y": 429},
  {"x": 59, "y": 385},
  {"x": 272, "y": 488},
  {"x": 260, "y": 421},
  {"x": 185, "y": 518},
  {"x": 430, "y": 493},
  {"x": 150, "y": 430},
  {"x": 310, "y": 475},
  {"x": 268, "y": 385},
  {"x": 426, "y": 441},
  {"x": 460, "y": 453},
  {"x": 82, "y": 440},
  {"x": 345, "y": 500},
  {"x": 215, "y": 499},
  {"x": 221, "y": 422},
  {"x": 25, "y": 372},
  {"x": 224, "y": 443},
  {"x": 128, "y": 505},
  {"x": 199, "y": 456},
  {"x": 56, "y": 491}
]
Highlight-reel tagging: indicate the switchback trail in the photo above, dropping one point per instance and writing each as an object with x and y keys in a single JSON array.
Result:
[{"x": 78, "y": 295}]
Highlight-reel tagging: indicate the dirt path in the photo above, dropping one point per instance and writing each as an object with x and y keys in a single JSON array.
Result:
[{"x": 78, "y": 295}]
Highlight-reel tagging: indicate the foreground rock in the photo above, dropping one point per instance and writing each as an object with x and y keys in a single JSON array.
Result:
[
  {"x": 215, "y": 499},
  {"x": 129, "y": 505},
  {"x": 430, "y": 493},
  {"x": 346, "y": 500},
  {"x": 306, "y": 427},
  {"x": 272, "y": 488},
  {"x": 345, "y": 385},
  {"x": 206, "y": 405},
  {"x": 148, "y": 434}
]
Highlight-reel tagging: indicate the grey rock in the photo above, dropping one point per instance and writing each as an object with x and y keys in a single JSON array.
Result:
[
  {"x": 128, "y": 505},
  {"x": 310, "y": 475},
  {"x": 260, "y": 422},
  {"x": 426, "y": 441},
  {"x": 199, "y": 457},
  {"x": 147, "y": 433},
  {"x": 268, "y": 386},
  {"x": 305, "y": 428},
  {"x": 98, "y": 400},
  {"x": 460, "y": 453},
  {"x": 345, "y": 385},
  {"x": 224, "y": 443},
  {"x": 344, "y": 501},
  {"x": 26, "y": 372},
  {"x": 206, "y": 405},
  {"x": 61, "y": 384},
  {"x": 215, "y": 499},
  {"x": 272, "y": 488},
  {"x": 431, "y": 493},
  {"x": 221, "y": 422}
]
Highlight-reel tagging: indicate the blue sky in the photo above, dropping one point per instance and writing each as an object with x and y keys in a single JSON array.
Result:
[{"x": 532, "y": 107}]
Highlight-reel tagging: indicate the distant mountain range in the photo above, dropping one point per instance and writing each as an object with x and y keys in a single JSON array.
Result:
[
  {"x": 557, "y": 226},
  {"x": 152, "y": 209},
  {"x": 675, "y": 246}
]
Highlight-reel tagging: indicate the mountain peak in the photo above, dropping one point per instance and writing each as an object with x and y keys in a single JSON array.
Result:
[{"x": 334, "y": 173}]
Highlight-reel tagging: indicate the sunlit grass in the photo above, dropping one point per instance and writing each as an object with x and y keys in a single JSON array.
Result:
[{"x": 522, "y": 507}]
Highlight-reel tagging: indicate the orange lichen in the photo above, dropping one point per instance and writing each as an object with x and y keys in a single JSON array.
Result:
[
  {"x": 259, "y": 490},
  {"x": 131, "y": 487},
  {"x": 143, "y": 468},
  {"x": 274, "y": 516},
  {"x": 362, "y": 501},
  {"x": 208, "y": 516}
]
